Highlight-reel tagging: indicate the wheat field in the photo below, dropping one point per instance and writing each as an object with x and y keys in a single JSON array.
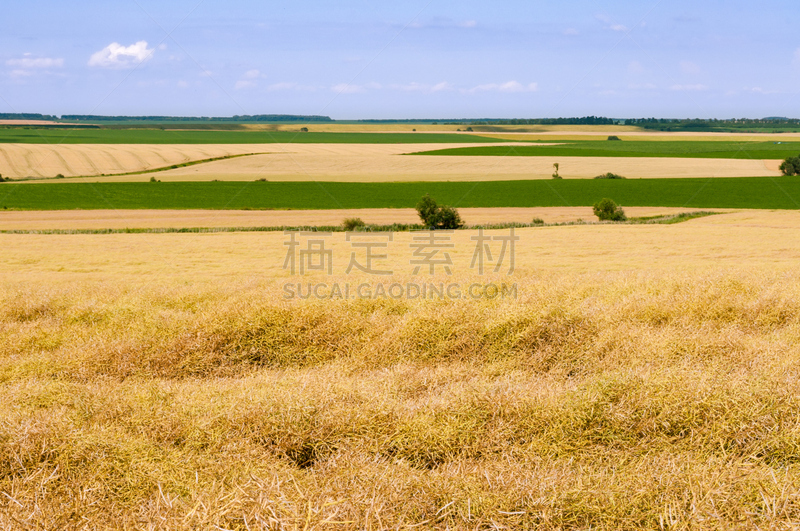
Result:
[
  {"x": 338, "y": 162},
  {"x": 646, "y": 377}
]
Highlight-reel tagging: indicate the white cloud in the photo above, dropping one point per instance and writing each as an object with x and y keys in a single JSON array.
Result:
[
  {"x": 443, "y": 23},
  {"x": 688, "y": 67},
  {"x": 688, "y": 88},
  {"x": 346, "y": 88},
  {"x": 18, "y": 74},
  {"x": 439, "y": 87},
  {"x": 759, "y": 90},
  {"x": 610, "y": 24},
  {"x": 282, "y": 86},
  {"x": 162, "y": 46},
  {"x": 117, "y": 56},
  {"x": 28, "y": 63},
  {"x": 248, "y": 80},
  {"x": 635, "y": 67},
  {"x": 27, "y": 66},
  {"x": 509, "y": 86},
  {"x": 410, "y": 87},
  {"x": 571, "y": 31},
  {"x": 290, "y": 86},
  {"x": 645, "y": 86}
]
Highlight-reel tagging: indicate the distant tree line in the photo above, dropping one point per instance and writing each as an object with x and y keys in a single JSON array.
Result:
[
  {"x": 244, "y": 118},
  {"x": 711, "y": 125},
  {"x": 26, "y": 116},
  {"x": 586, "y": 120}
]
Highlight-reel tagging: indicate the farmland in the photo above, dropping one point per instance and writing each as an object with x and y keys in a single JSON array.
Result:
[
  {"x": 165, "y": 377},
  {"x": 158, "y": 136},
  {"x": 697, "y": 149},
  {"x": 640, "y": 376},
  {"x": 764, "y": 193},
  {"x": 337, "y": 162}
]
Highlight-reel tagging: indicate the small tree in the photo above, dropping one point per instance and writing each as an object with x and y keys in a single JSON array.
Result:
[
  {"x": 436, "y": 217},
  {"x": 791, "y": 166},
  {"x": 449, "y": 218},
  {"x": 614, "y": 137},
  {"x": 555, "y": 173},
  {"x": 351, "y": 224},
  {"x": 304, "y": 129},
  {"x": 607, "y": 210}
]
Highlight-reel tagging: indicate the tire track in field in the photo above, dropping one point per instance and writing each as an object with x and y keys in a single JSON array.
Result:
[{"x": 13, "y": 167}]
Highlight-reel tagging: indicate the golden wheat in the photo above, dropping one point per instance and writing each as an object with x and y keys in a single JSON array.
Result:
[{"x": 162, "y": 382}]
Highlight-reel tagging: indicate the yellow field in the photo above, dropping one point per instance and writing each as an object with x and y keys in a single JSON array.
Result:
[
  {"x": 42, "y": 160},
  {"x": 644, "y": 377},
  {"x": 341, "y": 162},
  {"x": 120, "y": 219}
]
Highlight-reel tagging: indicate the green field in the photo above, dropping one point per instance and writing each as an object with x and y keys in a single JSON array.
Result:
[
  {"x": 157, "y": 136},
  {"x": 670, "y": 149},
  {"x": 756, "y": 192}
]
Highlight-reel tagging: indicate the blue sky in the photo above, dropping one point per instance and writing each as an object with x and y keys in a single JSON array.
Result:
[{"x": 418, "y": 58}]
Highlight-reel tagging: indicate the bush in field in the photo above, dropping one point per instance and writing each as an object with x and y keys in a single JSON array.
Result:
[
  {"x": 607, "y": 210},
  {"x": 449, "y": 218},
  {"x": 304, "y": 129},
  {"x": 1, "y": 178},
  {"x": 154, "y": 180},
  {"x": 537, "y": 221},
  {"x": 791, "y": 166},
  {"x": 436, "y": 217},
  {"x": 351, "y": 224},
  {"x": 555, "y": 173},
  {"x": 614, "y": 137},
  {"x": 609, "y": 175}
]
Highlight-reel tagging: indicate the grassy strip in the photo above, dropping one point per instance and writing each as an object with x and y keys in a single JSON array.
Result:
[
  {"x": 632, "y": 148},
  {"x": 743, "y": 192},
  {"x": 396, "y": 227},
  {"x": 157, "y": 136}
]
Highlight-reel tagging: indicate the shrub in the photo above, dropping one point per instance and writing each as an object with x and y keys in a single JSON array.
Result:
[
  {"x": 436, "y": 217},
  {"x": 555, "y": 173},
  {"x": 609, "y": 175},
  {"x": 304, "y": 129},
  {"x": 607, "y": 210},
  {"x": 261, "y": 180},
  {"x": 1, "y": 178},
  {"x": 791, "y": 166},
  {"x": 154, "y": 180},
  {"x": 614, "y": 137},
  {"x": 449, "y": 218},
  {"x": 537, "y": 221},
  {"x": 59, "y": 176},
  {"x": 469, "y": 129},
  {"x": 351, "y": 224}
]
